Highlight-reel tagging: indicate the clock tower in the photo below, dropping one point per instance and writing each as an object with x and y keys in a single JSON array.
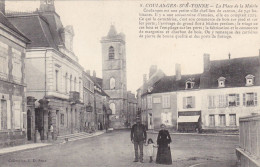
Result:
[{"x": 114, "y": 75}]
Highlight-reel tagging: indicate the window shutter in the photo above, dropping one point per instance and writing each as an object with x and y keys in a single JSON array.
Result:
[
  {"x": 237, "y": 100},
  {"x": 8, "y": 114},
  {"x": 209, "y": 101},
  {"x": 193, "y": 102},
  {"x": 244, "y": 99},
  {"x": 169, "y": 101},
  {"x": 255, "y": 99},
  {"x": 226, "y": 101},
  {"x": 184, "y": 102}
]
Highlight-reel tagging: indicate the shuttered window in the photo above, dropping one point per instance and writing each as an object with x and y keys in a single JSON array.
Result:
[
  {"x": 189, "y": 102},
  {"x": 250, "y": 99},
  {"x": 149, "y": 102},
  {"x": 232, "y": 119},
  {"x": 17, "y": 114},
  {"x": 222, "y": 120},
  {"x": 166, "y": 101}
]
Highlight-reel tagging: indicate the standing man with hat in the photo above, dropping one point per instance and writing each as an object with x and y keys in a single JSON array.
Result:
[{"x": 138, "y": 138}]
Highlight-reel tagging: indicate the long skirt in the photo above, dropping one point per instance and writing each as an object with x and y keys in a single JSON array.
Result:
[{"x": 164, "y": 155}]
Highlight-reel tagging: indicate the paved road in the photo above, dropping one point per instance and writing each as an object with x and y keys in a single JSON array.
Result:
[{"x": 115, "y": 150}]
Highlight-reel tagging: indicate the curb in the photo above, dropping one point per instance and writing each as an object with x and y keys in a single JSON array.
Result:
[
  {"x": 44, "y": 146},
  {"x": 26, "y": 149},
  {"x": 196, "y": 134}
]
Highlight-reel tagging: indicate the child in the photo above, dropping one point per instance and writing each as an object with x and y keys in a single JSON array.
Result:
[{"x": 150, "y": 145}]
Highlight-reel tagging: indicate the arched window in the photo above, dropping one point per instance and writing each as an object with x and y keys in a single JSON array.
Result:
[
  {"x": 111, "y": 53},
  {"x": 112, "y": 106},
  {"x": 79, "y": 86},
  {"x": 112, "y": 83}
]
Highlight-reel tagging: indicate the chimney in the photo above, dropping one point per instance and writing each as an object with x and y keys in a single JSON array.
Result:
[
  {"x": 229, "y": 56},
  {"x": 2, "y": 6},
  {"x": 88, "y": 72},
  {"x": 178, "y": 72},
  {"x": 94, "y": 73},
  {"x": 206, "y": 58},
  {"x": 144, "y": 78},
  {"x": 153, "y": 70}
]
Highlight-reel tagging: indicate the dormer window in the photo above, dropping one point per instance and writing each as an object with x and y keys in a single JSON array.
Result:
[
  {"x": 189, "y": 84},
  {"x": 249, "y": 80},
  {"x": 221, "y": 82},
  {"x": 150, "y": 89}
]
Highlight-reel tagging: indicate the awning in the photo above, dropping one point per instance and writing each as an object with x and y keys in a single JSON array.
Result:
[{"x": 193, "y": 118}]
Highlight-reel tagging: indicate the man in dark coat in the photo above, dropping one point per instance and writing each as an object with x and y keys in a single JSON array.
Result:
[{"x": 138, "y": 137}]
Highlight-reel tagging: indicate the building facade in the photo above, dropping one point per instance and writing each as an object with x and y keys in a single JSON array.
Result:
[
  {"x": 144, "y": 103},
  {"x": 88, "y": 100},
  {"x": 230, "y": 90},
  {"x": 213, "y": 100},
  {"x": 13, "y": 114},
  {"x": 131, "y": 108},
  {"x": 114, "y": 76},
  {"x": 53, "y": 74}
]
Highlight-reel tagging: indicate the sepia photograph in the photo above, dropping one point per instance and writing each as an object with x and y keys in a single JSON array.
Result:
[{"x": 129, "y": 83}]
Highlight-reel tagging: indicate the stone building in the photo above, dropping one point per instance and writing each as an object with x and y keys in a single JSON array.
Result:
[
  {"x": 114, "y": 75},
  {"x": 131, "y": 108},
  {"x": 12, "y": 83},
  {"x": 88, "y": 100},
  {"x": 144, "y": 97},
  {"x": 230, "y": 90},
  {"x": 101, "y": 104},
  {"x": 213, "y": 100},
  {"x": 53, "y": 73}
]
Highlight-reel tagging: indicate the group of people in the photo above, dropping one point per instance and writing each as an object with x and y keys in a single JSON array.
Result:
[{"x": 139, "y": 137}]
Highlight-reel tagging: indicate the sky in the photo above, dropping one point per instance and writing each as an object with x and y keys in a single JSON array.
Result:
[{"x": 91, "y": 21}]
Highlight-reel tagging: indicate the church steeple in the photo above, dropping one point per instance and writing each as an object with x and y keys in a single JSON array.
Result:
[{"x": 47, "y": 6}]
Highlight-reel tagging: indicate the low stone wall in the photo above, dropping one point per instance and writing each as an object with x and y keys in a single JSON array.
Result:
[
  {"x": 248, "y": 153},
  {"x": 12, "y": 138}
]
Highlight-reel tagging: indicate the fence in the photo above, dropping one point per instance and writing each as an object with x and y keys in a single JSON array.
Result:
[{"x": 248, "y": 153}]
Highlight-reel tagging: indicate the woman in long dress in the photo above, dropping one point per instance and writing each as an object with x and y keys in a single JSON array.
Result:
[{"x": 164, "y": 151}]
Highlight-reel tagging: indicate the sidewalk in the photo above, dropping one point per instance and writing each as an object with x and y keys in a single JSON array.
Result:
[
  {"x": 39, "y": 145},
  {"x": 199, "y": 134},
  {"x": 23, "y": 147}
]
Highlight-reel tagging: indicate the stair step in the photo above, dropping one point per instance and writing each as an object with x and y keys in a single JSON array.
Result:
[{"x": 72, "y": 135}]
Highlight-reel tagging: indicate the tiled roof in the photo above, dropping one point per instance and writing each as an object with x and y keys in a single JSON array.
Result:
[
  {"x": 42, "y": 30},
  {"x": 8, "y": 24},
  {"x": 97, "y": 81},
  {"x": 233, "y": 70},
  {"x": 169, "y": 83}
]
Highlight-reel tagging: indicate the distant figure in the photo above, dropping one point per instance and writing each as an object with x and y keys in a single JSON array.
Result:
[
  {"x": 150, "y": 145},
  {"x": 51, "y": 131},
  {"x": 164, "y": 151},
  {"x": 138, "y": 137}
]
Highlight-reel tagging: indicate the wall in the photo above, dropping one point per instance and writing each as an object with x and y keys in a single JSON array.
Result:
[
  {"x": 12, "y": 92},
  {"x": 157, "y": 110},
  {"x": 248, "y": 153}
]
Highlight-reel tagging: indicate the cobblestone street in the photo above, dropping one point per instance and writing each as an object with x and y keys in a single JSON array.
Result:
[{"x": 115, "y": 150}]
